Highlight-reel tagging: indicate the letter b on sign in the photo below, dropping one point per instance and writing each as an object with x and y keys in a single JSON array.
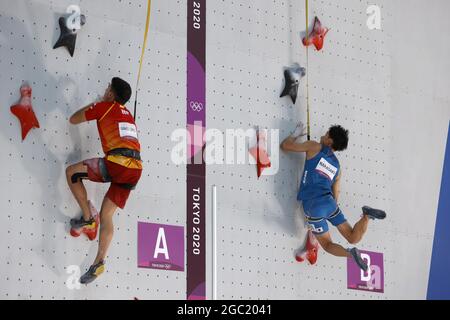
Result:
[
  {"x": 365, "y": 277},
  {"x": 373, "y": 279}
]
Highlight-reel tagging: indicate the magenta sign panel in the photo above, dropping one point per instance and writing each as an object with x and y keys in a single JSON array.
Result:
[
  {"x": 373, "y": 279},
  {"x": 160, "y": 246}
]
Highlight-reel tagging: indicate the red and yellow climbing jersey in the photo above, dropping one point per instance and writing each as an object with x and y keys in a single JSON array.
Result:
[{"x": 117, "y": 129}]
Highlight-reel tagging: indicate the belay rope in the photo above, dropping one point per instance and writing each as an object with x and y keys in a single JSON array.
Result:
[
  {"x": 308, "y": 126},
  {"x": 144, "y": 45}
]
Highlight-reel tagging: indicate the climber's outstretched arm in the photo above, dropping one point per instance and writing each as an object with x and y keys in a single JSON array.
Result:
[
  {"x": 79, "y": 116},
  {"x": 290, "y": 145}
]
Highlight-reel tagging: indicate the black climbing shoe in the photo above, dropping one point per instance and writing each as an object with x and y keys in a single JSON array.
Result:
[
  {"x": 373, "y": 213},
  {"x": 357, "y": 257},
  {"x": 80, "y": 223},
  {"x": 93, "y": 272}
]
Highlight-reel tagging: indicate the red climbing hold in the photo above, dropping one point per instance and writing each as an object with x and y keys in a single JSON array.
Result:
[
  {"x": 89, "y": 230},
  {"x": 310, "y": 250},
  {"x": 260, "y": 154},
  {"x": 24, "y": 111},
  {"x": 317, "y": 35}
]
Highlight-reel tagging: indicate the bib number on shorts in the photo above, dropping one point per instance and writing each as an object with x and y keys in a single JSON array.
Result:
[{"x": 315, "y": 229}]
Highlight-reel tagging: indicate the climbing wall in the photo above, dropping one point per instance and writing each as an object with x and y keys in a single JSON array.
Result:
[
  {"x": 389, "y": 87},
  {"x": 367, "y": 81},
  {"x": 420, "y": 109},
  {"x": 36, "y": 203}
]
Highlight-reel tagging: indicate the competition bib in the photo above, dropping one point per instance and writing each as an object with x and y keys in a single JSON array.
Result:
[
  {"x": 326, "y": 169},
  {"x": 127, "y": 130}
]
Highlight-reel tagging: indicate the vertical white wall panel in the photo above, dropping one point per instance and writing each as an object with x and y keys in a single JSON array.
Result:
[{"x": 389, "y": 87}]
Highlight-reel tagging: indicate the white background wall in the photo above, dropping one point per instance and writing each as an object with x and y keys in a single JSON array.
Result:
[
  {"x": 35, "y": 199},
  {"x": 388, "y": 87}
]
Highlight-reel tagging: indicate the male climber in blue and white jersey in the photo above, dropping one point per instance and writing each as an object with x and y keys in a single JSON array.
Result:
[{"x": 319, "y": 191}]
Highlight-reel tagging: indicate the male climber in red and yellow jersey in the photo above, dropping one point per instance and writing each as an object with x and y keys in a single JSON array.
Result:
[{"x": 121, "y": 166}]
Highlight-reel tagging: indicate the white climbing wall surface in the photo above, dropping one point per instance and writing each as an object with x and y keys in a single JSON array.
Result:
[
  {"x": 389, "y": 87},
  {"x": 35, "y": 200},
  {"x": 369, "y": 81}
]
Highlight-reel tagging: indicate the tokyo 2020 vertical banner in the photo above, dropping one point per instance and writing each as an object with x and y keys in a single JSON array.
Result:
[{"x": 196, "y": 116}]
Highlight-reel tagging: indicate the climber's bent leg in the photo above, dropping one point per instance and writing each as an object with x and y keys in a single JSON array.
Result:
[
  {"x": 329, "y": 246},
  {"x": 106, "y": 228},
  {"x": 74, "y": 174}
]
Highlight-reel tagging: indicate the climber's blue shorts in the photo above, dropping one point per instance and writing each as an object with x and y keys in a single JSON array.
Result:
[{"x": 319, "y": 210}]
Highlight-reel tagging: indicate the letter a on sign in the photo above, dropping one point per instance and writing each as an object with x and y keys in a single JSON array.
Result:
[
  {"x": 158, "y": 249},
  {"x": 374, "y": 20},
  {"x": 160, "y": 246}
]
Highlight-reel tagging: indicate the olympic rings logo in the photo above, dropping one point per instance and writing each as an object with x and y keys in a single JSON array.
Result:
[{"x": 196, "y": 106}]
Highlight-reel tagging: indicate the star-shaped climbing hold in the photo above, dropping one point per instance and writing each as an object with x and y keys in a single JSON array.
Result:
[
  {"x": 68, "y": 37},
  {"x": 24, "y": 111},
  {"x": 309, "y": 251},
  {"x": 317, "y": 35},
  {"x": 292, "y": 76},
  {"x": 260, "y": 154}
]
